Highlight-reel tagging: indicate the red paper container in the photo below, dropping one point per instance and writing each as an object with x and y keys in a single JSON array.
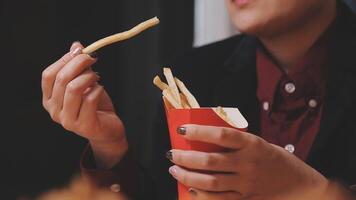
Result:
[{"x": 200, "y": 116}]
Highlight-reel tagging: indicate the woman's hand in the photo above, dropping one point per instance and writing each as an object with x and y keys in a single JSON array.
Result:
[
  {"x": 75, "y": 100},
  {"x": 252, "y": 169}
]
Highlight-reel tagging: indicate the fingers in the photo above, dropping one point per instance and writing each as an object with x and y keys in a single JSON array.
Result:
[
  {"x": 207, "y": 182},
  {"x": 221, "y": 162},
  {"x": 225, "y": 137},
  {"x": 88, "y": 111},
  {"x": 71, "y": 70},
  {"x": 74, "y": 94},
  {"x": 76, "y": 45},
  {"x": 50, "y": 73},
  {"x": 196, "y": 194}
]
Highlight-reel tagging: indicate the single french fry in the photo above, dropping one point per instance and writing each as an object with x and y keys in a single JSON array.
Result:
[
  {"x": 169, "y": 96},
  {"x": 221, "y": 111},
  {"x": 121, "y": 36},
  {"x": 172, "y": 84},
  {"x": 157, "y": 81},
  {"x": 185, "y": 103},
  {"x": 190, "y": 98},
  {"x": 222, "y": 114}
]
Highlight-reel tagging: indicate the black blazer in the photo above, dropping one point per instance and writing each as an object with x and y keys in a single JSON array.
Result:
[{"x": 224, "y": 74}]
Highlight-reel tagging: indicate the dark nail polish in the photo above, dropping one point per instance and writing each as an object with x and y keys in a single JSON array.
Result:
[
  {"x": 98, "y": 76},
  {"x": 169, "y": 155},
  {"x": 192, "y": 192},
  {"x": 93, "y": 54},
  {"x": 181, "y": 130}
]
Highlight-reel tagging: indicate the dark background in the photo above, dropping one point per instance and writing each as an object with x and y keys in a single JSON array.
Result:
[{"x": 35, "y": 153}]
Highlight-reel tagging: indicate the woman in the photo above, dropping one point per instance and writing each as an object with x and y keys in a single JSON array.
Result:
[{"x": 290, "y": 73}]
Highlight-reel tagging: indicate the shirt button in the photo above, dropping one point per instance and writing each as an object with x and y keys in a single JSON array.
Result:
[
  {"x": 265, "y": 105},
  {"x": 115, "y": 188},
  {"x": 289, "y": 88},
  {"x": 313, "y": 103},
  {"x": 290, "y": 148}
]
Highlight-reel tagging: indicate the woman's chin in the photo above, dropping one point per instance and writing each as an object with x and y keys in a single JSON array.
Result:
[{"x": 247, "y": 27}]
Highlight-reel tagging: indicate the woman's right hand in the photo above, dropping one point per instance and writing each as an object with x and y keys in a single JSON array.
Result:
[{"x": 74, "y": 99}]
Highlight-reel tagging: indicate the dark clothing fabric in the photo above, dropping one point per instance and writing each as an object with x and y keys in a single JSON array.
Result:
[
  {"x": 224, "y": 74},
  {"x": 291, "y": 100}
]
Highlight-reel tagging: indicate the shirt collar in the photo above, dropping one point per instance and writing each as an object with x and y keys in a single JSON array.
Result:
[{"x": 308, "y": 74}]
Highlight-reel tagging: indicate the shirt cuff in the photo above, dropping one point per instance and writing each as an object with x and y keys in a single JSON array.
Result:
[{"x": 123, "y": 177}]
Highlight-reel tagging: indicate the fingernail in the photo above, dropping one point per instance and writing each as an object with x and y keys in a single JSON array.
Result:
[
  {"x": 182, "y": 130},
  {"x": 93, "y": 54},
  {"x": 173, "y": 170},
  {"x": 169, "y": 155},
  {"x": 76, "y": 42},
  {"x": 192, "y": 192},
  {"x": 76, "y": 51}
]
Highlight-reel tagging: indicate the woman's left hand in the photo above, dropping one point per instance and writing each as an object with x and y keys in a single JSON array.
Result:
[{"x": 252, "y": 169}]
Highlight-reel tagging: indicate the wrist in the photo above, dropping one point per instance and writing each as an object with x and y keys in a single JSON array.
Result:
[{"x": 108, "y": 154}]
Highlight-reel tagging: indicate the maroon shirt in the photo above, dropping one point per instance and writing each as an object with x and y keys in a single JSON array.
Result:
[{"x": 292, "y": 101}]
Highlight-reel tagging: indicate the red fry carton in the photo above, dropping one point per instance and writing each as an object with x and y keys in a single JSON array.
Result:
[{"x": 200, "y": 116}]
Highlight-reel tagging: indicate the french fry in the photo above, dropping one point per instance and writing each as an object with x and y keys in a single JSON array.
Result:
[
  {"x": 190, "y": 98},
  {"x": 185, "y": 103},
  {"x": 221, "y": 110},
  {"x": 222, "y": 114},
  {"x": 169, "y": 96},
  {"x": 121, "y": 36},
  {"x": 157, "y": 81},
  {"x": 187, "y": 100},
  {"x": 172, "y": 84}
]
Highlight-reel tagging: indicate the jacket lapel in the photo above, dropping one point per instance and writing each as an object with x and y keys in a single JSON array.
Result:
[
  {"x": 337, "y": 123},
  {"x": 237, "y": 82}
]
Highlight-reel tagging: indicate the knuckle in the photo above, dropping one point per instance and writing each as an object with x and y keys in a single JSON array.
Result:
[
  {"x": 209, "y": 161},
  {"x": 54, "y": 116},
  {"x": 66, "y": 124},
  {"x": 73, "y": 88},
  {"x": 256, "y": 141},
  {"x": 45, "y": 104},
  {"x": 46, "y": 75},
  {"x": 91, "y": 100},
  {"x": 212, "y": 183},
  {"x": 64, "y": 60},
  {"x": 223, "y": 134},
  {"x": 61, "y": 78}
]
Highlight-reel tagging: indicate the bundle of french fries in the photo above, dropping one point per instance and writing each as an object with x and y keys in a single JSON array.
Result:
[
  {"x": 179, "y": 97},
  {"x": 175, "y": 92}
]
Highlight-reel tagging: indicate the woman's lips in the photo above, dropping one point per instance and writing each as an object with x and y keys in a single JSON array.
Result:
[{"x": 240, "y": 3}]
